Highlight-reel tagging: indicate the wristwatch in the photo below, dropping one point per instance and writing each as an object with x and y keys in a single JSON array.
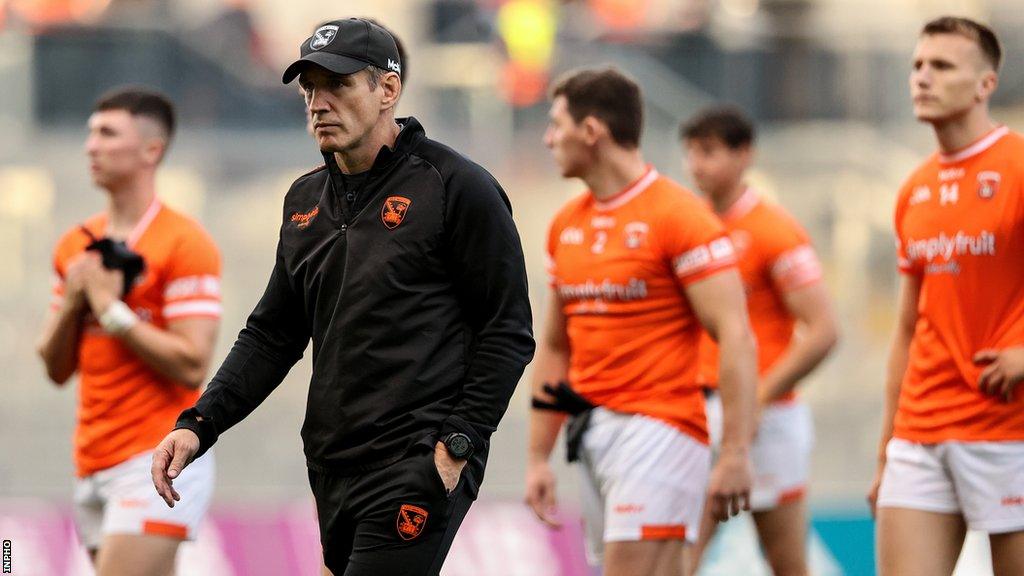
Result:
[{"x": 459, "y": 445}]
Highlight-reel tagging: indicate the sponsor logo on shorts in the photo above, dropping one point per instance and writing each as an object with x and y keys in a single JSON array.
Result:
[
  {"x": 302, "y": 221},
  {"x": 411, "y": 520},
  {"x": 393, "y": 212},
  {"x": 1013, "y": 501},
  {"x": 628, "y": 508}
]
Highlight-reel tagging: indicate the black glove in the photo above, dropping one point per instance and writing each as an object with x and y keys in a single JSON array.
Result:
[{"x": 116, "y": 255}]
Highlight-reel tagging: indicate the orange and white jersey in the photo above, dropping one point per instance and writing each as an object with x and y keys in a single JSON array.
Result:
[
  {"x": 125, "y": 407},
  {"x": 960, "y": 229},
  {"x": 775, "y": 257},
  {"x": 619, "y": 267}
]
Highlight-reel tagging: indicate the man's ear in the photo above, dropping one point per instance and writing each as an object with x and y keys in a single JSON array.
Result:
[
  {"x": 153, "y": 150},
  {"x": 154, "y": 139},
  {"x": 391, "y": 83},
  {"x": 593, "y": 130},
  {"x": 987, "y": 85},
  {"x": 746, "y": 155}
]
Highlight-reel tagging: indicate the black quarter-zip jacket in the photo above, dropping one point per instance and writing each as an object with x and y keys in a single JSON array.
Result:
[{"x": 415, "y": 298}]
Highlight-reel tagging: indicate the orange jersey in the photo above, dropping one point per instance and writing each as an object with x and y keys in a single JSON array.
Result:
[
  {"x": 619, "y": 267},
  {"x": 775, "y": 256},
  {"x": 125, "y": 407},
  {"x": 960, "y": 229}
]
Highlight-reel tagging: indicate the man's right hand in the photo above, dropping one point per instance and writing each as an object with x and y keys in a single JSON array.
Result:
[
  {"x": 540, "y": 492},
  {"x": 730, "y": 483},
  {"x": 171, "y": 456}
]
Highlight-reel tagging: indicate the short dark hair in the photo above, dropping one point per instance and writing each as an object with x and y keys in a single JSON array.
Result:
[
  {"x": 727, "y": 123},
  {"x": 981, "y": 34},
  {"x": 140, "y": 102},
  {"x": 608, "y": 95}
]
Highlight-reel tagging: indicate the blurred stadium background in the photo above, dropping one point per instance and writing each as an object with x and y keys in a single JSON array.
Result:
[{"x": 825, "y": 80}]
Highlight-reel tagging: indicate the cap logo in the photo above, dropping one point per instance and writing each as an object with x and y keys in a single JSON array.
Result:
[
  {"x": 323, "y": 36},
  {"x": 394, "y": 66}
]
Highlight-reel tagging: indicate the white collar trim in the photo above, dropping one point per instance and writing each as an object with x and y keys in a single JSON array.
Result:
[
  {"x": 976, "y": 148},
  {"x": 628, "y": 194}
]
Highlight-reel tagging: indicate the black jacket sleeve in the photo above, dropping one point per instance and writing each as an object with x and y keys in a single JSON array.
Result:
[
  {"x": 272, "y": 341},
  {"x": 486, "y": 261}
]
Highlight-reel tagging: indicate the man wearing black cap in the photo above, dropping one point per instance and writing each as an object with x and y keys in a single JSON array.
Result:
[{"x": 400, "y": 260}]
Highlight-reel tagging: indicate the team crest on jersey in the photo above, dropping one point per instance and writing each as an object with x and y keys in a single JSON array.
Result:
[
  {"x": 636, "y": 234},
  {"x": 988, "y": 184},
  {"x": 393, "y": 212},
  {"x": 411, "y": 521},
  {"x": 323, "y": 36},
  {"x": 302, "y": 221}
]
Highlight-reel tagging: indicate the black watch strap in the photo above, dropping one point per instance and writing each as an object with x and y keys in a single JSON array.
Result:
[{"x": 459, "y": 445}]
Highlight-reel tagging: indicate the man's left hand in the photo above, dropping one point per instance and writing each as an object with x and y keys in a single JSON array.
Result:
[
  {"x": 449, "y": 468},
  {"x": 1004, "y": 369},
  {"x": 102, "y": 286}
]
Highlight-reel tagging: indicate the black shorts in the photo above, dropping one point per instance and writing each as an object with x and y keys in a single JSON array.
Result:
[{"x": 396, "y": 521}]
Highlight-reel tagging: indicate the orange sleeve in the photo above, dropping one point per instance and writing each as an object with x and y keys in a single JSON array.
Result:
[
  {"x": 694, "y": 241},
  {"x": 903, "y": 262},
  {"x": 549, "y": 253},
  {"x": 193, "y": 278},
  {"x": 555, "y": 231},
  {"x": 791, "y": 260}
]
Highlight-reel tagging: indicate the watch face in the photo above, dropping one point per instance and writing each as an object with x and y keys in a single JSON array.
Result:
[{"x": 459, "y": 445}]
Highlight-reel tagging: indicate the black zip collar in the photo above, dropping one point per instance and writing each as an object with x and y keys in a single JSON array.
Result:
[{"x": 409, "y": 135}]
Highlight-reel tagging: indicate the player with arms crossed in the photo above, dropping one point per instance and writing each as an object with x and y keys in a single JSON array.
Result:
[
  {"x": 952, "y": 449},
  {"x": 638, "y": 264},
  {"x": 140, "y": 333},
  {"x": 782, "y": 277}
]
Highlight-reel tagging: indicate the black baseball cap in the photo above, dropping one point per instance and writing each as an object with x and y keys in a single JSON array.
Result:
[{"x": 347, "y": 46}]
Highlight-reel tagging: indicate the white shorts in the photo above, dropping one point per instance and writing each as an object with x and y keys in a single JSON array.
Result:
[
  {"x": 781, "y": 452},
  {"x": 642, "y": 479},
  {"x": 982, "y": 481},
  {"x": 122, "y": 500}
]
